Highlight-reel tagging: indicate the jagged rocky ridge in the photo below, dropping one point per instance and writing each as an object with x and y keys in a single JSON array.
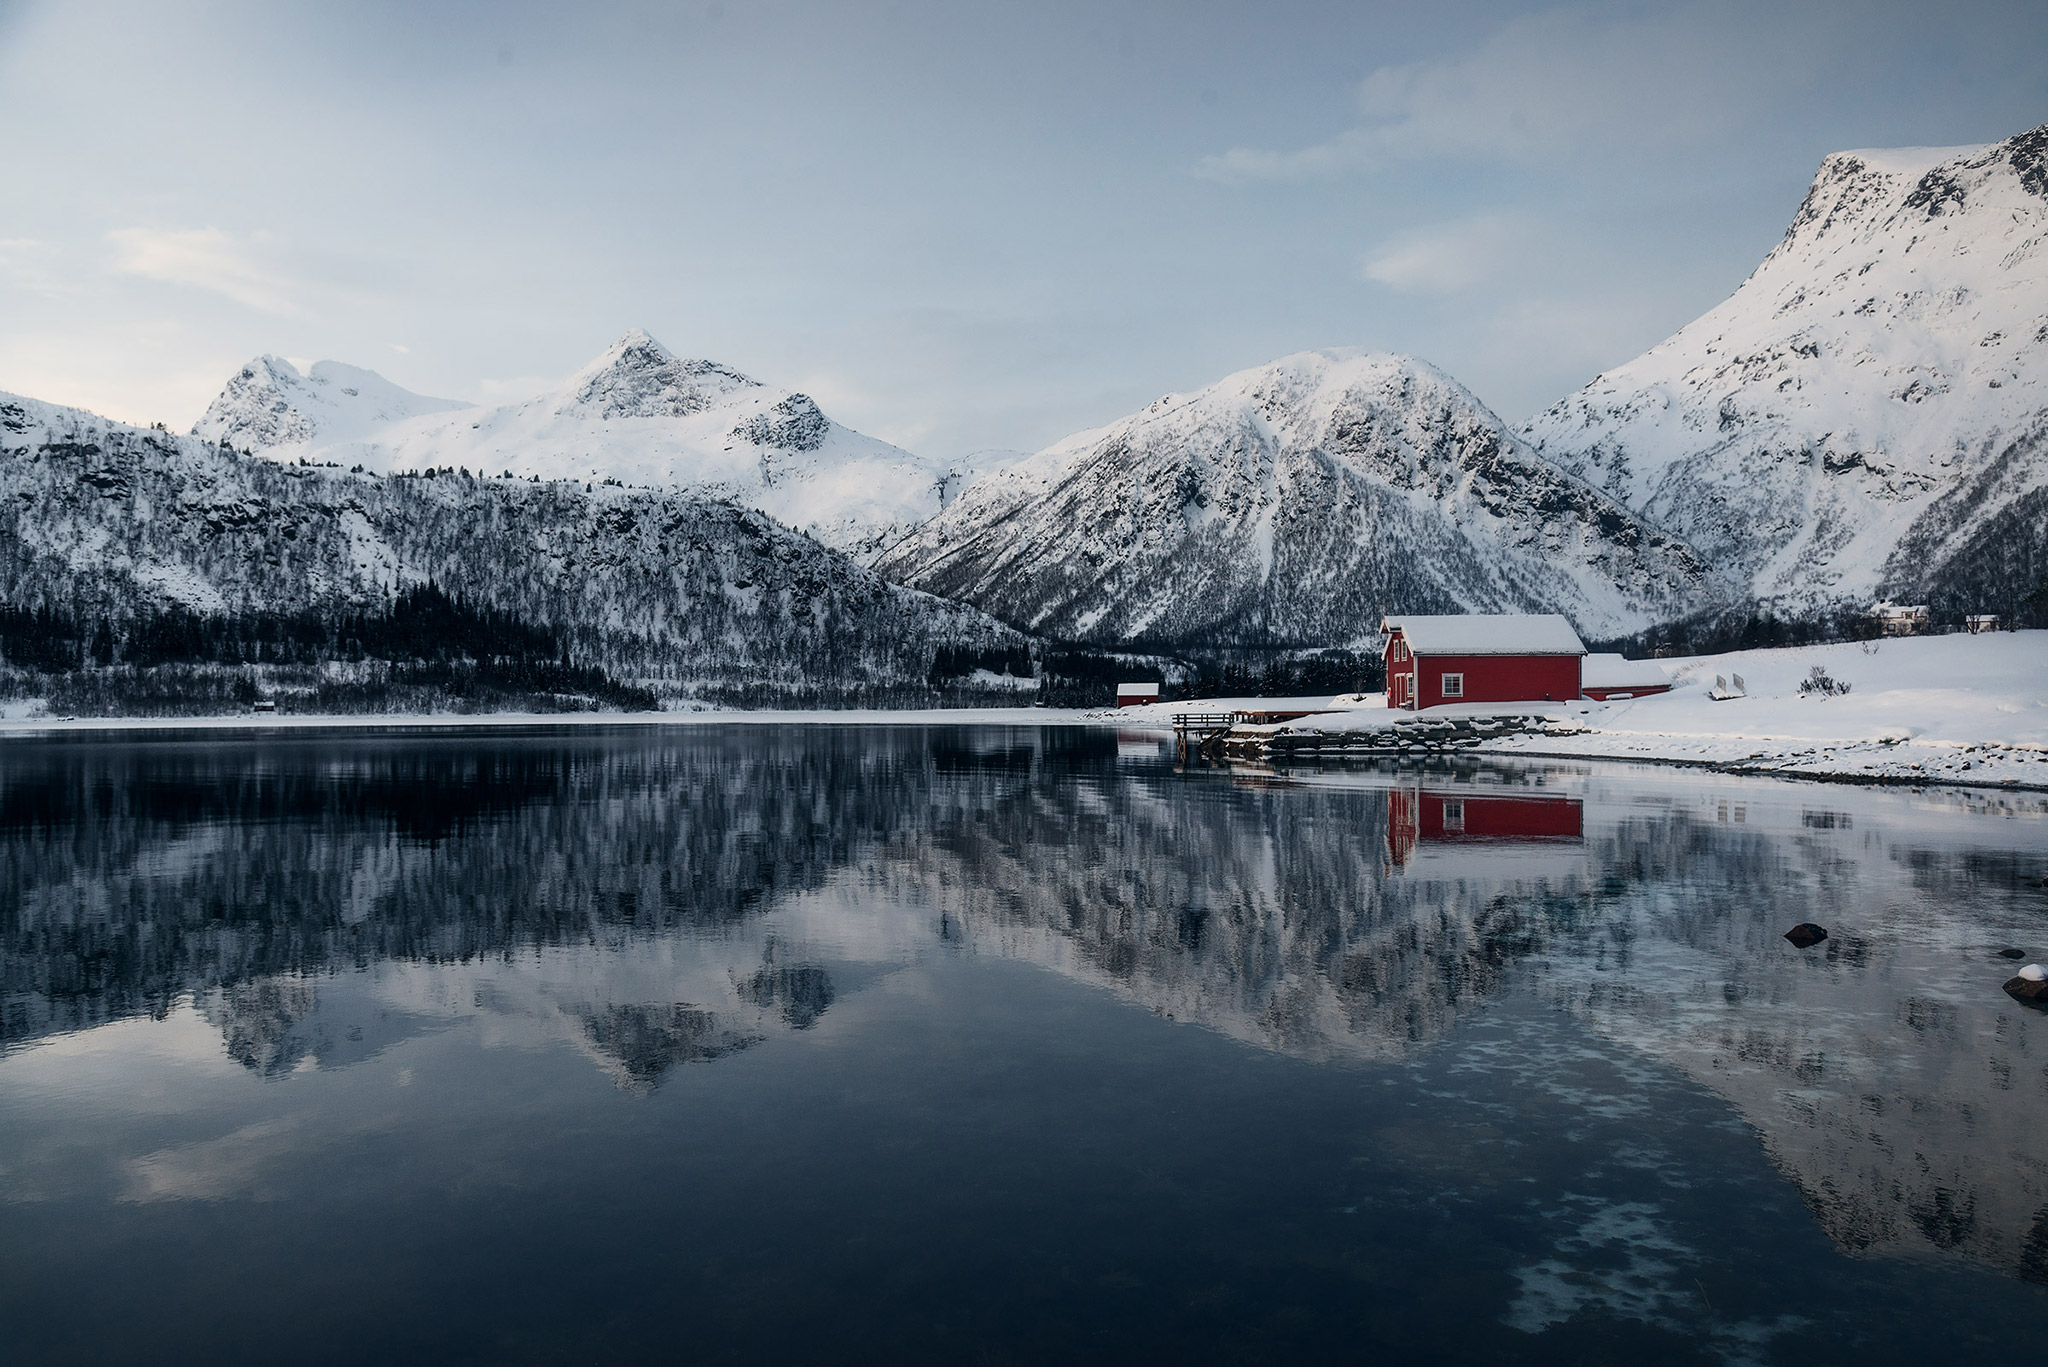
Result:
[
  {"x": 1868, "y": 414},
  {"x": 637, "y": 414},
  {"x": 102, "y": 519},
  {"x": 1293, "y": 504}
]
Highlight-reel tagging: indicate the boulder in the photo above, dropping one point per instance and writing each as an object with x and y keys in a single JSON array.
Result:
[
  {"x": 1806, "y": 934},
  {"x": 2012, "y": 954},
  {"x": 2031, "y": 990}
]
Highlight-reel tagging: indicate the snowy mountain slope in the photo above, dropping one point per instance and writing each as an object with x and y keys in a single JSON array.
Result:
[
  {"x": 269, "y": 404},
  {"x": 640, "y": 415},
  {"x": 98, "y": 518},
  {"x": 1869, "y": 402},
  {"x": 1293, "y": 504}
]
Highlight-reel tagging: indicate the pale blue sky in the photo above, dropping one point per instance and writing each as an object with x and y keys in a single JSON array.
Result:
[{"x": 958, "y": 226}]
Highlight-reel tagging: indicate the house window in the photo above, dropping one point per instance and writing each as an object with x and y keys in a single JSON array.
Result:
[
  {"x": 1454, "y": 685},
  {"x": 1454, "y": 815}
]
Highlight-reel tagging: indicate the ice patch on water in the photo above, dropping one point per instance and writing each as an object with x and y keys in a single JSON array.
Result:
[{"x": 1620, "y": 1258}]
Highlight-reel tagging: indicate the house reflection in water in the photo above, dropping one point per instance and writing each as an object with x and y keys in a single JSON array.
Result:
[{"x": 1417, "y": 817}]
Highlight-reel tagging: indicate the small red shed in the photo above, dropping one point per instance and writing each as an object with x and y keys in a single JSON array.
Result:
[
  {"x": 1136, "y": 694},
  {"x": 1477, "y": 658}
]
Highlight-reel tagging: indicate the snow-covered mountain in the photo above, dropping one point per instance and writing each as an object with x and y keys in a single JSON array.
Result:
[
  {"x": 99, "y": 519},
  {"x": 270, "y": 405},
  {"x": 1293, "y": 504},
  {"x": 637, "y": 414},
  {"x": 1868, "y": 414}
]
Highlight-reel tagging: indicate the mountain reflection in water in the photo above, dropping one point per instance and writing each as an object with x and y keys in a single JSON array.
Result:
[{"x": 676, "y": 899}]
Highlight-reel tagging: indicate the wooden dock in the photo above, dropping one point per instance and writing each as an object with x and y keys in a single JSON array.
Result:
[{"x": 1191, "y": 730}]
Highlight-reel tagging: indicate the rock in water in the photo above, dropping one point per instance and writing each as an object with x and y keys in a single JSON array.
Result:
[
  {"x": 2012, "y": 954},
  {"x": 1806, "y": 934},
  {"x": 2032, "y": 991}
]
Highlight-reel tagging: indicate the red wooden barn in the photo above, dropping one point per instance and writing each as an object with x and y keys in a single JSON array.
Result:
[
  {"x": 1481, "y": 659},
  {"x": 1136, "y": 694}
]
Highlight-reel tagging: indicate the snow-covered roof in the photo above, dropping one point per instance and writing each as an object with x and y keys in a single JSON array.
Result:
[
  {"x": 1543, "y": 633},
  {"x": 1612, "y": 671},
  {"x": 1137, "y": 690}
]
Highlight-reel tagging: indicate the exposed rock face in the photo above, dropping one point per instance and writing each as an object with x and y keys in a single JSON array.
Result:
[
  {"x": 794, "y": 424},
  {"x": 1868, "y": 414},
  {"x": 638, "y": 378},
  {"x": 1294, "y": 504}
]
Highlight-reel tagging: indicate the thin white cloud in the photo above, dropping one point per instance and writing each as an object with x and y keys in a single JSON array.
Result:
[
  {"x": 244, "y": 269},
  {"x": 1448, "y": 257},
  {"x": 1554, "y": 85}
]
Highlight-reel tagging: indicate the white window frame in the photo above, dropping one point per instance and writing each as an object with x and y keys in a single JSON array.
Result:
[
  {"x": 1454, "y": 814},
  {"x": 1452, "y": 685}
]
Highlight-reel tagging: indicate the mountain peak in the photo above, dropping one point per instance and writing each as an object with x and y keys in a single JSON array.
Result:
[
  {"x": 1870, "y": 191},
  {"x": 638, "y": 377},
  {"x": 270, "y": 403},
  {"x": 1290, "y": 504},
  {"x": 1878, "y": 382}
]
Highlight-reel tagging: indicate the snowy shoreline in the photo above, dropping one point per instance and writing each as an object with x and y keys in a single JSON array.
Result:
[
  {"x": 1951, "y": 710},
  {"x": 1957, "y": 711}
]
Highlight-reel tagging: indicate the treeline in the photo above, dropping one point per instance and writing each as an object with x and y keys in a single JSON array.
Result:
[
  {"x": 1080, "y": 677},
  {"x": 1755, "y": 628},
  {"x": 435, "y": 650},
  {"x": 952, "y": 662},
  {"x": 1290, "y": 674},
  {"x": 1715, "y": 633},
  {"x": 369, "y": 687},
  {"x": 422, "y": 623}
]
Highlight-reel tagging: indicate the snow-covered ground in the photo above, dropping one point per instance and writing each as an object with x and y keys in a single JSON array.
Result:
[
  {"x": 1946, "y": 709},
  {"x": 1970, "y": 709}
]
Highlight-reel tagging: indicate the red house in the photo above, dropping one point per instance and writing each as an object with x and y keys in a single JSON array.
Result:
[{"x": 1482, "y": 659}]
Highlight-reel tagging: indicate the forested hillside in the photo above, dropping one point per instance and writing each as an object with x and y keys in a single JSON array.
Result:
[{"x": 123, "y": 547}]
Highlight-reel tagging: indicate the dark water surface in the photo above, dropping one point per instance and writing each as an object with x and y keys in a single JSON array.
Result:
[{"x": 1001, "y": 1045}]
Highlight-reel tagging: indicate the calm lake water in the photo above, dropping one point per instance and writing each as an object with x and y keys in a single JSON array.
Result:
[{"x": 761, "y": 1044}]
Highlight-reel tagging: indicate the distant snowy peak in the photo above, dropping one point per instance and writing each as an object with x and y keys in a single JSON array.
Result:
[
  {"x": 1887, "y": 362},
  {"x": 638, "y": 377},
  {"x": 268, "y": 404},
  {"x": 1291, "y": 504},
  {"x": 637, "y": 414}
]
